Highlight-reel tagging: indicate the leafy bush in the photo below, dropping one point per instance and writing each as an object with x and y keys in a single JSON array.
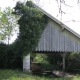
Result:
[
  {"x": 73, "y": 58},
  {"x": 55, "y": 59},
  {"x": 9, "y": 56},
  {"x": 3, "y": 56}
]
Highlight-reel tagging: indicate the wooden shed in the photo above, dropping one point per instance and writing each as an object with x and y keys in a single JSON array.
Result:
[{"x": 57, "y": 37}]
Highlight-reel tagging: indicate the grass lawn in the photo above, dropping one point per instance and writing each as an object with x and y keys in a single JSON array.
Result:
[{"x": 18, "y": 75}]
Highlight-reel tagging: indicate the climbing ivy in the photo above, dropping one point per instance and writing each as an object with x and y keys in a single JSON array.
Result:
[{"x": 32, "y": 23}]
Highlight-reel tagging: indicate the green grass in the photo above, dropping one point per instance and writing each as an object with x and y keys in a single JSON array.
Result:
[{"x": 18, "y": 75}]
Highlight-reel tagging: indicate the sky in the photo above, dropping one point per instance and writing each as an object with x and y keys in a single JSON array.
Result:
[{"x": 71, "y": 17}]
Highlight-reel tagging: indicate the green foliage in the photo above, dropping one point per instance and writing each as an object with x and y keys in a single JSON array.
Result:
[
  {"x": 8, "y": 23},
  {"x": 55, "y": 59},
  {"x": 39, "y": 58},
  {"x": 42, "y": 59},
  {"x": 3, "y": 55},
  {"x": 73, "y": 58},
  {"x": 10, "y": 57},
  {"x": 32, "y": 24}
]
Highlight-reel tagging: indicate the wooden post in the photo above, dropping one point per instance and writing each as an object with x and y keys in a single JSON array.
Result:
[
  {"x": 64, "y": 61},
  {"x": 63, "y": 56},
  {"x": 26, "y": 63}
]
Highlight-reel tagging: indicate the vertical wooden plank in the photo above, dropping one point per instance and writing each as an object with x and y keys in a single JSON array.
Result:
[
  {"x": 79, "y": 47},
  {"x": 50, "y": 37},
  {"x": 53, "y": 37},
  {"x": 75, "y": 46},
  {"x": 64, "y": 43},
  {"x": 44, "y": 41},
  {"x": 61, "y": 42},
  {"x": 39, "y": 45},
  {"x": 68, "y": 43},
  {"x": 69, "y": 47},
  {"x": 56, "y": 38},
  {"x": 47, "y": 38},
  {"x": 67, "y": 38}
]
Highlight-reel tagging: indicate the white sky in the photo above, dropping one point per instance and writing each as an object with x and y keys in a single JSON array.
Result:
[{"x": 72, "y": 13}]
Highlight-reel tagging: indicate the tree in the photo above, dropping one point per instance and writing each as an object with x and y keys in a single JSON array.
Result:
[
  {"x": 8, "y": 24},
  {"x": 32, "y": 22}
]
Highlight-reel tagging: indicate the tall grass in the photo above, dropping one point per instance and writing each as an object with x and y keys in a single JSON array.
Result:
[{"x": 18, "y": 75}]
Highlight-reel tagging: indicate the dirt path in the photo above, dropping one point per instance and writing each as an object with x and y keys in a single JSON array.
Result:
[{"x": 62, "y": 74}]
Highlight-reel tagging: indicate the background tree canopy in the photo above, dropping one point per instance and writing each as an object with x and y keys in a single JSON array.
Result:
[
  {"x": 32, "y": 23},
  {"x": 8, "y": 24}
]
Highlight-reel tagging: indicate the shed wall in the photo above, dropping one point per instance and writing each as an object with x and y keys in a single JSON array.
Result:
[{"x": 55, "y": 38}]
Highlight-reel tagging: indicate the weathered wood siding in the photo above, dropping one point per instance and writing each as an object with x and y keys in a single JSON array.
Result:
[{"x": 54, "y": 38}]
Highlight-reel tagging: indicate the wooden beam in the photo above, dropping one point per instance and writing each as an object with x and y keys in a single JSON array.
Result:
[
  {"x": 63, "y": 56},
  {"x": 64, "y": 61}
]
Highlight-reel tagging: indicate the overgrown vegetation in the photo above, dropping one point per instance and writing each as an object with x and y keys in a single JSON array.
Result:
[
  {"x": 32, "y": 23},
  {"x": 10, "y": 57},
  {"x": 44, "y": 61},
  {"x": 54, "y": 61},
  {"x": 18, "y": 75}
]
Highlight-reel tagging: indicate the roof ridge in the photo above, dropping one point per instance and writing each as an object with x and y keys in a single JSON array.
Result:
[{"x": 57, "y": 21}]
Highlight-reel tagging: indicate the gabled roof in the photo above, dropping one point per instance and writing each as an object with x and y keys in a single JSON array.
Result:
[{"x": 57, "y": 21}]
